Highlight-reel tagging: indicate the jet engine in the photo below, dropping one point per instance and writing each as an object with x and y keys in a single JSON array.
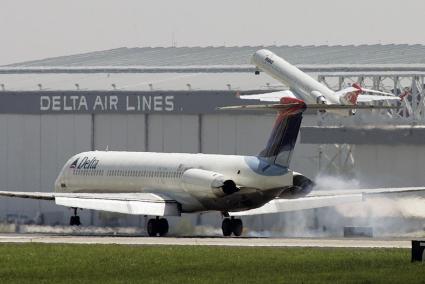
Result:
[
  {"x": 200, "y": 181},
  {"x": 301, "y": 186},
  {"x": 320, "y": 99}
]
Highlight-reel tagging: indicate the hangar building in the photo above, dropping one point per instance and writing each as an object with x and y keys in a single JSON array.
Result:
[{"x": 165, "y": 99}]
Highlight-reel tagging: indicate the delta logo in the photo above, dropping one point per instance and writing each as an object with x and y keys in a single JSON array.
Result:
[{"x": 85, "y": 163}]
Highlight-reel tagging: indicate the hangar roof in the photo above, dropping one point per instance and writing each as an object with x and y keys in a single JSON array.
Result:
[
  {"x": 206, "y": 56},
  {"x": 181, "y": 58}
]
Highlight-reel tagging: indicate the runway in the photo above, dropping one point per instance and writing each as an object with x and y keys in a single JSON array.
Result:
[{"x": 208, "y": 241}]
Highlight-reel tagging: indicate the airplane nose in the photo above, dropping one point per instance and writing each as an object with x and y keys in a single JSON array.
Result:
[{"x": 259, "y": 56}]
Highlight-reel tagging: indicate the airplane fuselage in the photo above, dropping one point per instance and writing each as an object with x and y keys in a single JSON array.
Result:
[
  {"x": 310, "y": 90},
  {"x": 187, "y": 178}
]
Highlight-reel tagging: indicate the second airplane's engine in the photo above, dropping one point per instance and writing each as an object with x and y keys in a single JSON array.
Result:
[
  {"x": 301, "y": 186},
  {"x": 320, "y": 99},
  {"x": 197, "y": 180}
]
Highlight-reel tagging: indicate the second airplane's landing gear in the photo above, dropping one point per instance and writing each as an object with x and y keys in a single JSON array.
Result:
[
  {"x": 232, "y": 225},
  {"x": 157, "y": 227},
  {"x": 75, "y": 220}
]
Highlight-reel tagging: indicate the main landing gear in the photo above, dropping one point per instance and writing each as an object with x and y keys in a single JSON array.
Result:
[
  {"x": 232, "y": 225},
  {"x": 157, "y": 226},
  {"x": 75, "y": 220}
]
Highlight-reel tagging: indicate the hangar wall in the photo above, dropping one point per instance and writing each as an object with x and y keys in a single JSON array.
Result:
[
  {"x": 32, "y": 151},
  {"x": 34, "y": 147}
]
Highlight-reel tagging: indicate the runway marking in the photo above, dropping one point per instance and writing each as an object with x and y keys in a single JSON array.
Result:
[{"x": 207, "y": 241}]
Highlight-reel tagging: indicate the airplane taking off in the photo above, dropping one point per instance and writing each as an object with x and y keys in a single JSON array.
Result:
[
  {"x": 304, "y": 87},
  {"x": 169, "y": 184}
]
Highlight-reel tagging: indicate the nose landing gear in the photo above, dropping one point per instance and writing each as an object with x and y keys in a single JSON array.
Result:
[{"x": 232, "y": 225}]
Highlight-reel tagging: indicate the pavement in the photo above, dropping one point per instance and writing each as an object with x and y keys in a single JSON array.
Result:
[{"x": 209, "y": 241}]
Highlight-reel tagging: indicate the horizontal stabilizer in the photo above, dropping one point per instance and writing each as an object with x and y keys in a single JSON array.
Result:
[
  {"x": 325, "y": 198},
  {"x": 287, "y": 205},
  {"x": 370, "y": 191},
  {"x": 276, "y": 107},
  {"x": 358, "y": 88}
]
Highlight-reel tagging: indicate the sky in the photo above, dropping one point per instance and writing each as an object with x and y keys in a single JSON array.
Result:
[{"x": 46, "y": 28}]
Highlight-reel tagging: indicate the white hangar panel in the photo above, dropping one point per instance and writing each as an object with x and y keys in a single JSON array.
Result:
[
  {"x": 33, "y": 149},
  {"x": 15, "y": 149},
  {"x": 19, "y": 150},
  {"x": 383, "y": 165},
  {"x": 31, "y": 153},
  {"x": 136, "y": 132},
  {"x": 219, "y": 134},
  {"x": 235, "y": 134},
  {"x": 61, "y": 137},
  {"x": 119, "y": 132},
  {"x": 173, "y": 133},
  {"x": 3, "y": 150},
  {"x": 20, "y": 164},
  {"x": 253, "y": 132}
]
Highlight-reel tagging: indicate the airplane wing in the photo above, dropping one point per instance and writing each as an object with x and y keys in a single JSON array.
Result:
[
  {"x": 127, "y": 203},
  {"x": 269, "y": 97},
  {"x": 385, "y": 94},
  {"x": 370, "y": 98},
  {"x": 367, "y": 95},
  {"x": 318, "y": 199}
]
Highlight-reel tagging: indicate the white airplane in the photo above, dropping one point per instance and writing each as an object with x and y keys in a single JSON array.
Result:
[
  {"x": 304, "y": 87},
  {"x": 169, "y": 184}
]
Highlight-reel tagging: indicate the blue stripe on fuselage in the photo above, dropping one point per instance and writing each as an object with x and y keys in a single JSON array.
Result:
[{"x": 261, "y": 166}]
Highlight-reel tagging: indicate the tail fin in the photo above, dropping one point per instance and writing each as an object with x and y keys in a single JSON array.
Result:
[{"x": 284, "y": 134}]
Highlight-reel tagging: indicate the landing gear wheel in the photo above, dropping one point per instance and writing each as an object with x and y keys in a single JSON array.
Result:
[
  {"x": 157, "y": 227},
  {"x": 226, "y": 227},
  {"x": 151, "y": 228},
  {"x": 230, "y": 226},
  {"x": 75, "y": 220},
  {"x": 162, "y": 226},
  {"x": 237, "y": 227}
]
